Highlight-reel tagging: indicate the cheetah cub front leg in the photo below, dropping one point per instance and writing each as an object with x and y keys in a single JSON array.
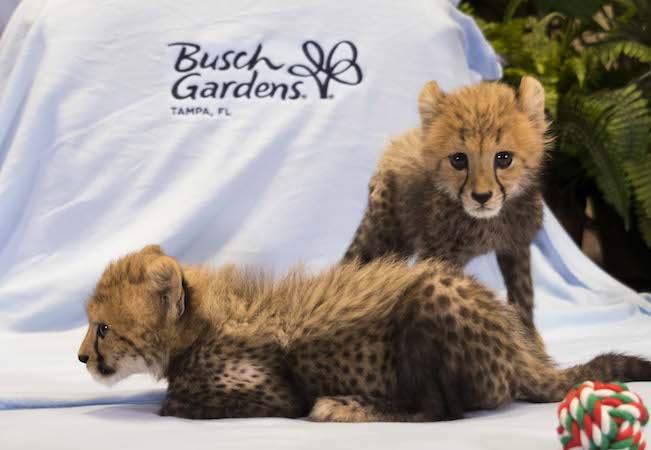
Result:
[
  {"x": 515, "y": 265},
  {"x": 249, "y": 382}
]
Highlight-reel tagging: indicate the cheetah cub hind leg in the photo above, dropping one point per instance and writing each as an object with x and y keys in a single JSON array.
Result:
[{"x": 358, "y": 408}]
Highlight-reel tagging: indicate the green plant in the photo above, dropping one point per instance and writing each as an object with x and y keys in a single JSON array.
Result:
[{"x": 594, "y": 59}]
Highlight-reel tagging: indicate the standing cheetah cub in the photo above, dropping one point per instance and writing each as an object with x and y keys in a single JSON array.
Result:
[
  {"x": 463, "y": 184},
  {"x": 380, "y": 342}
]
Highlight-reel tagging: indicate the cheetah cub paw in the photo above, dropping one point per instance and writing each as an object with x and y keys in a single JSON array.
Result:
[{"x": 344, "y": 409}]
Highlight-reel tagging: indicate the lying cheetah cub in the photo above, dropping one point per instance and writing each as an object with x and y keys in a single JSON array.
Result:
[
  {"x": 463, "y": 184},
  {"x": 380, "y": 342}
]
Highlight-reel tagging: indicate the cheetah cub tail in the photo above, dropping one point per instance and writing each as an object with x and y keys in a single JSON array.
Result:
[
  {"x": 551, "y": 385},
  {"x": 610, "y": 367}
]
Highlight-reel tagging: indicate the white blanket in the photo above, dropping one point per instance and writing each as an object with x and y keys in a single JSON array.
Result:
[{"x": 269, "y": 164}]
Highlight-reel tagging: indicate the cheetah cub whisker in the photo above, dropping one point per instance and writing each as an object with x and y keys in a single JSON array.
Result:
[{"x": 355, "y": 343}]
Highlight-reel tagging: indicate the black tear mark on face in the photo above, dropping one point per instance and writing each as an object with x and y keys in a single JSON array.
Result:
[
  {"x": 499, "y": 183},
  {"x": 103, "y": 369},
  {"x": 465, "y": 180}
]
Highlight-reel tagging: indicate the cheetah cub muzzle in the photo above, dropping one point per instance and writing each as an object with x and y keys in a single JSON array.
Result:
[
  {"x": 463, "y": 184},
  {"x": 378, "y": 342}
]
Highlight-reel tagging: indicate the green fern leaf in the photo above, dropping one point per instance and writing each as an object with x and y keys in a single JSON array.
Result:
[
  {"x": 609, "y": 52},
  {"x": 579, "y": 68},
  {"x": 608, "y": 130},
  {"x": 644, "y": 225},
  {"x": 639, "y": 173}
]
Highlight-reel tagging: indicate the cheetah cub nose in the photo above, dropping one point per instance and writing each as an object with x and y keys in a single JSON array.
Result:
[
  {"x": 481, "y": 197},
  {"x": 83, "y": 358}
]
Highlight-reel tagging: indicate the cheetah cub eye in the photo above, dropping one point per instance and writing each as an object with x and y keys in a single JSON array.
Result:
[
  {"x": 102, "y": 330},
  {"x": 459, "y": 161},
  {"x": 503, "y": 159}
]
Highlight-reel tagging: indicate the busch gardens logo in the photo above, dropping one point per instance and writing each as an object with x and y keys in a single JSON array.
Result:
[{"x": 322, "y": 68}]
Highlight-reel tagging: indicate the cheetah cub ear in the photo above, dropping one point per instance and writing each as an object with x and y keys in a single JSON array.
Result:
[
  {"x": 166, "y": 280},
  {"x": 531, "y": 99},
  {"x": 429, "y": 102},
  {"x": 153, "y": 250}
]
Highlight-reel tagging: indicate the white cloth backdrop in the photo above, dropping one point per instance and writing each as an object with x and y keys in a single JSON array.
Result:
[
  {"x": 6, "y": 9},
  {"x": 94, "y": 163}
]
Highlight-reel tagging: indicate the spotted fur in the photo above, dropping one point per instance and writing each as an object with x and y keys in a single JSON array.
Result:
[
  {"x": 419, "y": 204},
  {"x": 375, "y": 342}
]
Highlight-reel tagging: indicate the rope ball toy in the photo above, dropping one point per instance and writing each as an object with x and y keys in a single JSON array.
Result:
[{"x": 602, "y": 416}]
